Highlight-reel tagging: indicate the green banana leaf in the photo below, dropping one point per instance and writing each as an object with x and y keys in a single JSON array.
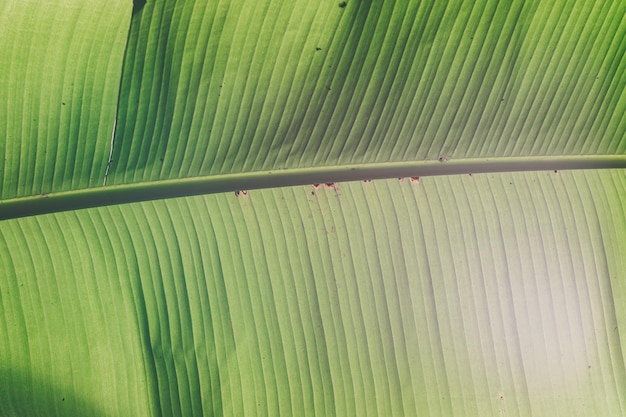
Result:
[{"x": 329, "y": 208}]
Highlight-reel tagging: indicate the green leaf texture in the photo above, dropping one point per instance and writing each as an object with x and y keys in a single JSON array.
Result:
[
  {"x": 60, "y": 70},
  {"x": 482, "y": 295},
  {"x": 214, "y": 87}
]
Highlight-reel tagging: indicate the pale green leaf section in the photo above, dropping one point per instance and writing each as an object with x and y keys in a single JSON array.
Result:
[
  {"x": 483, "y": 295},
  {"x": 214, "y": 87},
  {"x": 60, "y": 70}
]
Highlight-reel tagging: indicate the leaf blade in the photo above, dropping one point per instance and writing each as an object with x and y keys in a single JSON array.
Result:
[
  {"x": 389, "y": 297},
  {"x": 62, "y": 69}
]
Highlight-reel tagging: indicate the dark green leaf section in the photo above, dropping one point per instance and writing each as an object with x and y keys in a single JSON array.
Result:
[
  {"x": 71, "y": 319},
  {"x": 213, "y": 88},
  {"x": 60, "y": 71},
  {"x": 489, "y": 294}
]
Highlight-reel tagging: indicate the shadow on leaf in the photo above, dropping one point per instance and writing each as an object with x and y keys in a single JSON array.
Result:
[{"x": 22, "y": 394}]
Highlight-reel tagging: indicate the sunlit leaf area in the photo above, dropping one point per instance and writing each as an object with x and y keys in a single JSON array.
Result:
[{"x": 312, "y": 208}]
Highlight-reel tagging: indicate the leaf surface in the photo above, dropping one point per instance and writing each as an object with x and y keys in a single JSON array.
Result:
[
  {"x": 463, "y": 295},
  {"x": 216, "y": 88},
  {"x": 61, "y": 68},
  {"x": 469, "y": 291}
]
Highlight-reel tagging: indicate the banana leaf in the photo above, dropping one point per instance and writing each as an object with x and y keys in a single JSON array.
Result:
[{"x": 312, "y": 208}]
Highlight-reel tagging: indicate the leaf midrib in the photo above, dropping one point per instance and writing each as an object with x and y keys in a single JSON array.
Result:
[{"x": 163, "y": 189}]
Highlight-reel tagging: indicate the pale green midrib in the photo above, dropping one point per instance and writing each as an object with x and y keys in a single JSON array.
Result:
[{"x": 157, "y": 190}]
